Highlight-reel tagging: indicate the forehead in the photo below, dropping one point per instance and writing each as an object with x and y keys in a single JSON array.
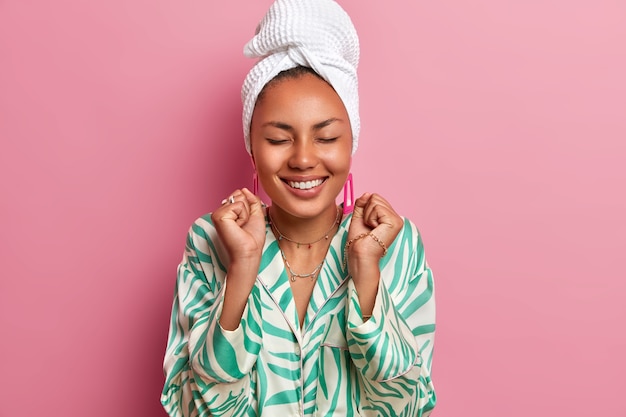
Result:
[{"x": 305, "y": 97}]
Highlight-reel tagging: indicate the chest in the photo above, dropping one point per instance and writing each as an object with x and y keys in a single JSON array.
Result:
[{"x": 301, "y": 291}]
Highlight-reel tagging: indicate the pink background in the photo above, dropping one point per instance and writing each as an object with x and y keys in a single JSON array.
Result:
[{"x": 498, "y": 127}]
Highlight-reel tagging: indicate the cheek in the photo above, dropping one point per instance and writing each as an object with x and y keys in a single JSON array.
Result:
[
  {"x": 339, "y": 159},
  {"x": 267, "y": 162}
]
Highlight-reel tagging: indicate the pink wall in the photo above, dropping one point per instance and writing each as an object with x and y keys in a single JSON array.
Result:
[{"x": 498, "y": 127}]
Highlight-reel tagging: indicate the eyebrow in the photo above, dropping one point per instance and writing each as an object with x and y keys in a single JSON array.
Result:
[{"x": 289, "y": 128}]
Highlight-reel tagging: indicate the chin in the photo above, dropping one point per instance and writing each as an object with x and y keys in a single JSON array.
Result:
[{"x": 304, "y": 209}]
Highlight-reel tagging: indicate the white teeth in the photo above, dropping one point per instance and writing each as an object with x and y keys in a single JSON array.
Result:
[{"x": 305, "y": 185}]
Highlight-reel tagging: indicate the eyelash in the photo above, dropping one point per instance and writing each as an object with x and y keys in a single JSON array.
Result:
[
  {"x": 276, "y": 141},
  {"x": 281, "y": 141}
]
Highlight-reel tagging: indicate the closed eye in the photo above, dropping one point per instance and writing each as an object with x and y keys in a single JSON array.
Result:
[
  {"x": 327, "y": 140},
  {"x": 276, "y": 141}
]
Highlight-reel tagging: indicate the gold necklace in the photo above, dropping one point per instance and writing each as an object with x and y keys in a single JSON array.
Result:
[
  {"x": 294, "y": 275},
  {"x": 326, "y": 235}
]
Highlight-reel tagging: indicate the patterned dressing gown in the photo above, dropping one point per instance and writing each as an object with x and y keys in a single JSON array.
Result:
[{"x": 335, "y": 365}]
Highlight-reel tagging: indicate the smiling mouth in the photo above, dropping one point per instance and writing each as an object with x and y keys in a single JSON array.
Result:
[{"x": 305, "y": 185}]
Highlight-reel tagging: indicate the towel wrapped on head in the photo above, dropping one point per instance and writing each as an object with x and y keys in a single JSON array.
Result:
[{"x": 312, "y": 33}]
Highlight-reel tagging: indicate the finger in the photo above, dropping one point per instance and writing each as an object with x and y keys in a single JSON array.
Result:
[
  {"x": 236, "y": 208},
  {"x": 241, "y": 203},
  {"x": 231, "y": 198},
  {"x": 370, "y": 215},
  {"x": 378, "y": 211},
  {"x": 235, "y": 196},
  {"x": 375, "y": 199},
  {"x": 380, "y": 200},
  {"x": 236, "y": 212},
  {"x": 362, "y": 201},
  {"x": 359, "y": 205},
  {"x": 242, "y": 211},
  {"x": 254, "y": 203}
]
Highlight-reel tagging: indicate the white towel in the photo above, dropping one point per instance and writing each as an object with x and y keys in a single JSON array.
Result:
[{"x": 312, "y": 33}]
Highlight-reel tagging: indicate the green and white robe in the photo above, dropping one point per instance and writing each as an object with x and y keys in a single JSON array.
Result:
[{"x": 335, "y": 365}]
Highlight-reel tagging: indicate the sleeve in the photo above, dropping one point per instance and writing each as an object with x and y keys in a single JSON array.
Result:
[
  {"x": 207, "y": 369},
  {"x": 393, "y": 349}
]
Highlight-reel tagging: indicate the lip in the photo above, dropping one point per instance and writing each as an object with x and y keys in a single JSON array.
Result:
[{"x": 308, "y": 193}]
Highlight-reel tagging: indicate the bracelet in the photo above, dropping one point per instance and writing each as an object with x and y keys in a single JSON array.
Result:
[
  {"x": 380, "y": 242},
  {"x": 361, "y": 236}
]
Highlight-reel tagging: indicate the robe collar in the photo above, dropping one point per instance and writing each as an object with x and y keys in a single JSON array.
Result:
[{"x": 273, "y": 276}]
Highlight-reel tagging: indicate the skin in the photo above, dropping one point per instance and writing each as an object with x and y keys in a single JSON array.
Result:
[{"x": 300, "y": 131}]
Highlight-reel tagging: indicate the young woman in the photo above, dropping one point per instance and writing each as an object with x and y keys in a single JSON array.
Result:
[{"x": 302, "y": 308}]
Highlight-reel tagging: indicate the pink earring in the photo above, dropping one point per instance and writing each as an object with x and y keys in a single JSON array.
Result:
[
  {"x": 348, "y": 195},
  {"x": 255, "y": 178},
  {"x": 255, "y": 183}
]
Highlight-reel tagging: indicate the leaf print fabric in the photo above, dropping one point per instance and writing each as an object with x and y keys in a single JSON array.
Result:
[{"x": 335, "y": 365}]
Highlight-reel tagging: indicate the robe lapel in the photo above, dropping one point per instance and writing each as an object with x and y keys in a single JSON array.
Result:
[
  {"x": 273, "y": 276},
  {"x": 332, "y": 275}
]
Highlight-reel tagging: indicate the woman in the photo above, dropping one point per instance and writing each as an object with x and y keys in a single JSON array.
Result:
[{"x": 302, "y": 308}]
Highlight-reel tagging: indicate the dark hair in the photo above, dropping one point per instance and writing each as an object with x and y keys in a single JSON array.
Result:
[{"x": 290, "y": 74}]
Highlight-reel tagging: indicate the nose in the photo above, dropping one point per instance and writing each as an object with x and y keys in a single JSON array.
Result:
[{"x": 304, "y": 155}]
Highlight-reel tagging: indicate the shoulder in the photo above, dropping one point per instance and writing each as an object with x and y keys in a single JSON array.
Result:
[
  {"x": 202, "y": 232},
  {"x": 204, "y": 245},
  {"x": 410, "y": 230},
  {"x": 408, "y": 244},
  {"x": 203, "y": 222}
]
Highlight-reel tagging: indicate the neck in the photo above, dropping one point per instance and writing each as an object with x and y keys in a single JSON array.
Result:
[{"x": 303, "y": 230}]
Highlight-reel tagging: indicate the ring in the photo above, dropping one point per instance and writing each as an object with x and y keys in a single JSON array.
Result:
[{"x": 229, "y": 200}]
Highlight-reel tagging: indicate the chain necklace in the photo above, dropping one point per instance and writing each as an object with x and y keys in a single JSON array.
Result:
[
  {"x": 326, "y": 235},
  {"x": 293, "y": 275}
]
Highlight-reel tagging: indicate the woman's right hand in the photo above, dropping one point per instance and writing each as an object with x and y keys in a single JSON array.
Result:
[{"x": 241, "y": 226}]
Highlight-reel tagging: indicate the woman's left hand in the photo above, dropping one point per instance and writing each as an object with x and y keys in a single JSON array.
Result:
[{"x": 372, "y": 214}]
